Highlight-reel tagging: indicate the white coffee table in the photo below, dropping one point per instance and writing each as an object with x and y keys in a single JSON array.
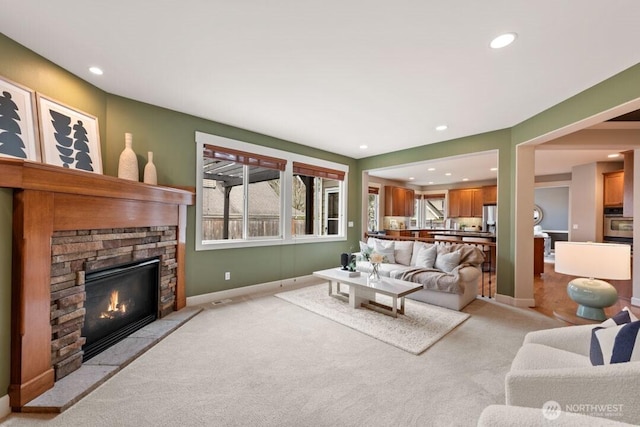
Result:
[{"x": 362, "y": 291}]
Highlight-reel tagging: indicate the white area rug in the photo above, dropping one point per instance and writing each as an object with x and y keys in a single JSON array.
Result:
[{"x": 420, "y": 327}]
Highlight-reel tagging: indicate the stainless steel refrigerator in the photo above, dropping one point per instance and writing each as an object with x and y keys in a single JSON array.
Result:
[{"x": 489, "y": 218}]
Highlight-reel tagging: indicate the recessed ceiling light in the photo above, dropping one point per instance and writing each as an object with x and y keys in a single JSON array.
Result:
[
  {"x": 364, "y": 146},
  {"x": 448, "y": 174},
  {"x": 503, "y": 40},
  {"x": 493, "y": 169},
  {"x": 614, "y": 155},
  {"x": 465, "y": 179},
  {"x": 431, "y": 169},
  {"x": 97, "y": 71},
  {"x": 411, "y": 178},
  {"x": 430, "y": 182},
  {"x": 442, "y": 127}
]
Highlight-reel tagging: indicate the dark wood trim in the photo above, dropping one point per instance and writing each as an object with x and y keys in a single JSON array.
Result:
[{"x": 50, "y": 198}]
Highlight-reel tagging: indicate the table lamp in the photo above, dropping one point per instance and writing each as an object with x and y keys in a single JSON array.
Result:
[{"x": 593, "y": 261}]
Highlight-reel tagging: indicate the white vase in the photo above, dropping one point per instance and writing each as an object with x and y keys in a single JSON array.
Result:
[
  {"x": 128, "y": 163},
  {"x": 150, "y": 173}
]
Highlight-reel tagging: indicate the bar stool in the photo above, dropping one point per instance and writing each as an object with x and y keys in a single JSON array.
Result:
[
  {"x": 486, "y": 249},
  {"x": 445, "y": 239}
]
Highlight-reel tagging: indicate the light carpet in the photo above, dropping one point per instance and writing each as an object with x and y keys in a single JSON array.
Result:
[
  {"x": 419, "y": 328},
  {"x": 262, "y": 361}
]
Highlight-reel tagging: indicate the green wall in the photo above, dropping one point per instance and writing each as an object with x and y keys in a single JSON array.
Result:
[{"x": 171, "y": 137}]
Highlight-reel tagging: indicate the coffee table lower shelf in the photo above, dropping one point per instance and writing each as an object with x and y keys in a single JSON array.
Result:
[{"x": 362, "y": 291}]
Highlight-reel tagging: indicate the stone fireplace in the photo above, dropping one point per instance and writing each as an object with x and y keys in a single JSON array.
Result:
[
  {"x": 67, "y": 224},
  {"x": 82, "y": 260}
]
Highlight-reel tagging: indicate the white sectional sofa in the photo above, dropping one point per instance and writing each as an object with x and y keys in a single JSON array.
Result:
[{"x": 449, "y": 273}]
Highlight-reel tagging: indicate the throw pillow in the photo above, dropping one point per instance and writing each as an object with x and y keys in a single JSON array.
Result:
[
  {"x": 426, "y": 257},
  {"x": 616, "y": 344},
  {"x": 416, "y": 248},
  {"x": 402, "y": 252},
  {"x": 622, "y": 317},
  {"x": 385, "y": 249},
  {"x": 447, "y": 261}
]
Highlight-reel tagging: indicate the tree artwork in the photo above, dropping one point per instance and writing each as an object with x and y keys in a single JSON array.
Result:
[
  {"x": 61, "y": 124},
  {"x": 83, "y": 160},
  {"x": 10, "y": 142}
]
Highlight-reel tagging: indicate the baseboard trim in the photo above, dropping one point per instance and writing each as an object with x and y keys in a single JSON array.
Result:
[
  {"x": 251, "y": 289},
  {"x": 516, "y": 302},
  {"x": 5, "y": 407},
  {"x": 635, "y": 301}
]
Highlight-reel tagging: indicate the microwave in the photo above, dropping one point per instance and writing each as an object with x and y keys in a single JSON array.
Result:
[{"x": 618, "y": 226}]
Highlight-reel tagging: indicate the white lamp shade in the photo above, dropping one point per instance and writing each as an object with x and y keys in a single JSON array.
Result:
[{"x": 596, "y": 260}]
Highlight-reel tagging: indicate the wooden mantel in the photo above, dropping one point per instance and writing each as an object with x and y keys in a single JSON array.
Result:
[{"x": 49, "y": 198}]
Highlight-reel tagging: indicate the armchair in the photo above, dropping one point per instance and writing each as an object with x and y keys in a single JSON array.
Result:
[{"x": 554, "y": 365}]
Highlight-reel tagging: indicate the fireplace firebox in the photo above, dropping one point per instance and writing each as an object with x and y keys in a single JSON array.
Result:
[{"x": 119, "y": 301}]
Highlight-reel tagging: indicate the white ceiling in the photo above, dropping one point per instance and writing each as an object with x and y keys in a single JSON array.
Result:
[{"x": 338, "y": 74}]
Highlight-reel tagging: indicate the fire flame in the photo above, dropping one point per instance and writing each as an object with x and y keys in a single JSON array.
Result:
[
  {"x": 113, "y": 301},
  {"x": 114, "y": 307}
]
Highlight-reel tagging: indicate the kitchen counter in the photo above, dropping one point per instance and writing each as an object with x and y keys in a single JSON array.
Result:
[{"x": 430, "y": 232}]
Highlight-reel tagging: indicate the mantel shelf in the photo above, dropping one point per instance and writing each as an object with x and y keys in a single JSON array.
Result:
[{"x": 27, "y": 175}]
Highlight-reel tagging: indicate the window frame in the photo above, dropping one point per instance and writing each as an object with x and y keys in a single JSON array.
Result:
[{"x": 287, "y": 237}]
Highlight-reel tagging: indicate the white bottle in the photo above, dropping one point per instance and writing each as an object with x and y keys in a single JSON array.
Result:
[{"x": 150, "y": 174}]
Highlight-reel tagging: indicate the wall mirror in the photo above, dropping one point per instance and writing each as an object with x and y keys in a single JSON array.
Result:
[{"x": 537, "y": 214}]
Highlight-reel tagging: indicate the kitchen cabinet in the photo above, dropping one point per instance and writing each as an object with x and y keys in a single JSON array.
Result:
[
  {"x": 613, "y": 188},
  {"x": 627, "y": 205},
  {"x": 398, "y": 201},
  {"x": 465, "y": 202},
  {"x": 490, "y": 195}
]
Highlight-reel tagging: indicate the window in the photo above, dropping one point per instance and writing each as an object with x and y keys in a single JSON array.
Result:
[
  {"x": 247, "y": 194},
  {"x": 434, "y": 206},
  {"x": 373, "y": 208},
  {"x": 241, "y": 194},
  {"x": 316, "y": 201}
]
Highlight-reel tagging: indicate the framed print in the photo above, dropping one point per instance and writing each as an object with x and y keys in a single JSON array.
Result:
[
  {"x": 18, "y": 131},
  {"x": 70, "y": 138}
]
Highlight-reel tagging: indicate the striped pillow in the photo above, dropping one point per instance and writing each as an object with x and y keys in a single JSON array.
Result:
[
  {"x": 617, "y": 344},
  {"x": 623, "y": 316}
]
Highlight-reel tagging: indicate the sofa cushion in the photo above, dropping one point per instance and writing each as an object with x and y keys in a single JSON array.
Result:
[
  {"x": 426, "y": 257},
  {"x": 385, "y": 249},
  {"x": 539, "y": 356},
  {"x": 402, "y": 252},
  {"x": 447, "y": 261},
  {"x": 617, "y": 344}
]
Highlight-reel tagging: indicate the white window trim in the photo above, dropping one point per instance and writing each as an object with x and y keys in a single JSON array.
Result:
[{"x": 287, "y": 237}]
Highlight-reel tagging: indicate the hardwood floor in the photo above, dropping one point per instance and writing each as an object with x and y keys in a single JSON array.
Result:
[{"x": 550, "y": 295}]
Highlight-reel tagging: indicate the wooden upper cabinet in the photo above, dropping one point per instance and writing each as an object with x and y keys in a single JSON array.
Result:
[
  {"x": 613, "y": 188},
  {"x": 409, "y": 202},
  {"x": 490, "y": 195},
  {"x": 454, "y": 203},
  {"x": 465, "y": 203},
  {"x": 477, "y": 200},
  {"x": 398, "y": 201}
]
